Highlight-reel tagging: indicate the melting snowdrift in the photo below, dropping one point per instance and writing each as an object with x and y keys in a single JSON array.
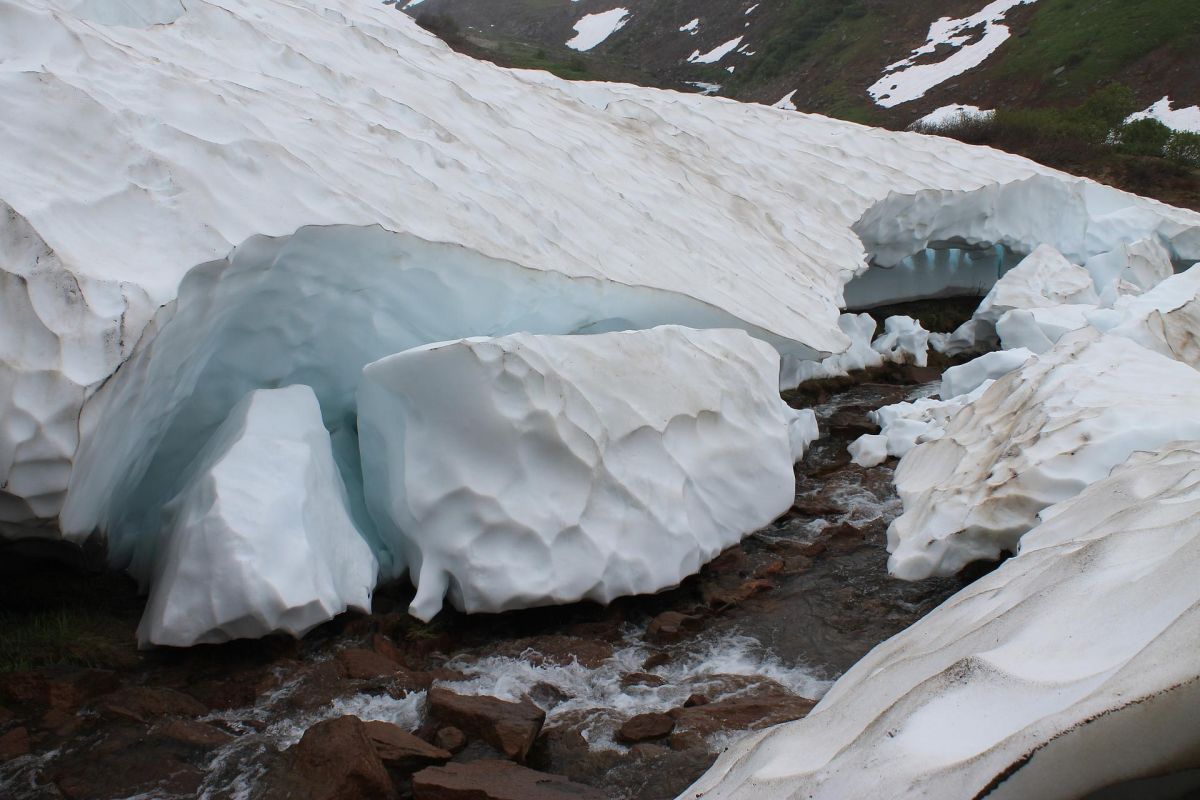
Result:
[
  {"x": 1077, "y": 646},
  {"x": 346, "y": 113},
  {"x": 533, "y": 470}
]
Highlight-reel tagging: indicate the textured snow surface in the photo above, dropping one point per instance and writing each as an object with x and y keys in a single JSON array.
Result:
[
  {"x": 593, "y": 29},
  {"x": 1039, "y": 435},
  {"x": 260, "y": 539},
  {"x": 972, "y": 38},
  {"x": 1010, "y": 688},
  {"x": 428, "y": 170},
  {"x": 903, "y": 341},
  {"x": 1179, "y": 119},
  {"x": 528, "y": 470}
]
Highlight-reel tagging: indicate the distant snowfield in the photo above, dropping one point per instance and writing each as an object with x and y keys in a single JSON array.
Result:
[
  {"x": 1179, "y": 119},
  {"x": 907, "y": 80},
  {"x": 593, "y": 29},
  {"x": 692, "y": 28},
  {"x": 716, "y": 54}
]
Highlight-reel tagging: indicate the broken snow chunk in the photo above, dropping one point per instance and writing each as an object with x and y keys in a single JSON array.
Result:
[
  {"x": 260, "y": 540},
  {"x": 531, "y": 470}
]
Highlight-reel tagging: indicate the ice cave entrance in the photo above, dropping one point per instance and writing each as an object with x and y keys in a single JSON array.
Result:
[{"x": 943, "y": 269}]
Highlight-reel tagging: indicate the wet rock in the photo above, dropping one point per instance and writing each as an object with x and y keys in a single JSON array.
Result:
[
  {"x": 851, "y": 421},
  {"x": 695, "y": 700},
  {"x": 65, "y": 690},
  {"x": 817, "y": 507},
  {"x": 836, "y": 539},
  {"x": 770, "y": 569},
  {"x": 14, "y": 744},
  {"x": 450, "y": 738},
  {"x": 645, "y": 727},
  {"x": 670, "y": 626},
  {"x": 124, "y": 763},
  {"x": 362, "y": 664},
  {"x": 496, "y": 780},
  {"x": 547, "y": 695},
  {"x": 386, "y": 648},
  {"x": 655, "y": 660},
  {"x": 684, "y": 741},
  {"x": 147, "y": 703},
  {"x": 743, "y": 713},
  {"x": 191, "y": 733},
  {"x": 401, "y": 750},
  {"x": 609, "y": 631},
  {"x": 723, "y": 598},
  {"x": 334, "y": 760},
  {"x": 59, "y": 723},
  {"x": 732, "y": 560},
  {"x": 642, "y": 679},
  {"x": 511, "y": 728}
]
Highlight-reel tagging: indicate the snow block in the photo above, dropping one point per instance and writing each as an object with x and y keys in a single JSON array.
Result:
[
  {"x": 530, "y": 470},
  {"x": 260, "y": 540},
  {"x": 1058, "y": 674},
  {"x": 1037, "y": 436}
]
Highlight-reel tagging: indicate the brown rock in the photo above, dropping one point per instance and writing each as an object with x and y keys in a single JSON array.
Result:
[
  {"x": 743, "y": 713},
  {"x": 695, "y": 700},
  {"x": 192, "y": 733},
  {"x": 384, "y": 647},
  {"x": 509, "y": 727},
  {"x": 146, "y": 703},
  {"x": 547, "y": 695},
  {"x": 361, "y": 664},
  {"x": 817, "y": 507},
  {"x": 60, "y": 723},
  {"x": 656, "y": 660},
  {"x": 14, "y": 744},
  {"x": 334, "y": 760},
  {"x": 450, "y": 738},
  {"x": 65, "y": 690},
  {"x": 670, "y": 626},
  {"x": 769, "y": 569},
  {"x": 724, "y": 598},
  {"x": 642, "y": 679},
  {"x": 400, "y": 750},
  {"x": 496, "y": 780},
  {"x": 645, "y": 727}
]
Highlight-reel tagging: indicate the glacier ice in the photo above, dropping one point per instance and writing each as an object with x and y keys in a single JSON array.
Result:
[
  {"x": 260, "y": 538},
  {"x": 347, "y": 114},
  {"x": 1039, "y": 435},
  {"x": 529, "y": 470},
  {"x": 1060, "y": 673}
]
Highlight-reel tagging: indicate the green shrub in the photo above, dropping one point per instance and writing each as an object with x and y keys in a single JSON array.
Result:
[
  {"x": 1184, "y": 148},
  {"x": 1143, "y": 137}
]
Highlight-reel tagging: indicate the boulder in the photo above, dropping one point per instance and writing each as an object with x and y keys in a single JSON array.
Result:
[
  {"x": 509, "y": 727},
  {"x": 334, "y": 760},
  {"x": 644, "y": 727},
  {"x": 401, "y": 750}
]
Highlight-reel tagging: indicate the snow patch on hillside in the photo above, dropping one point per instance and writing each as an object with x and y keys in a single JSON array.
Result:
[
  {"x": 972, "y": 39},
  {"x": 952, "y": 114},
  {"x": 593, "y": 29},
  {"x": 1179, "y": 119},
  {"x": 716, "y": 54}
]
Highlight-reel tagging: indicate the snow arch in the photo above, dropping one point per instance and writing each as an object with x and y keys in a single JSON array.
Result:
[{"x": 313, "y": 308}]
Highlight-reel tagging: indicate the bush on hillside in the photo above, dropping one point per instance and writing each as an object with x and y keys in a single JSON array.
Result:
[
  {"x": 1184, "y": 148},
  {"x": 1144, "y": 137}
]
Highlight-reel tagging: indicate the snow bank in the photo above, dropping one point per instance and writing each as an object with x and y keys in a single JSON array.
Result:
[
  {"x": 346, "y": 116},
  {"x": 1043, "y": 279},
  {"x": 1165, "y": 319},
  {"x": 1037, "y": 436},
  {"x": 260, "y": 539},
  {"x": 903, "y": 341},
  {"x": 529, "y": 470},
  {"x": 1058, "y": 674}
]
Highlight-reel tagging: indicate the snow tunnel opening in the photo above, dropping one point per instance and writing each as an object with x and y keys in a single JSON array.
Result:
[
  {"x": 313, "y": 308},
  {"x": 941, "y": 270}
]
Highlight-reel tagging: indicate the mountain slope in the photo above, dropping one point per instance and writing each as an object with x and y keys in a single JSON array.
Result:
[{"x": 831, "y": 51}]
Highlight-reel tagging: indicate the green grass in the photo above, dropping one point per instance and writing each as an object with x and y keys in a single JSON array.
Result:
[
  {"x": 60, "y": 617},
  {"x": 1093, "y": 40}
]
